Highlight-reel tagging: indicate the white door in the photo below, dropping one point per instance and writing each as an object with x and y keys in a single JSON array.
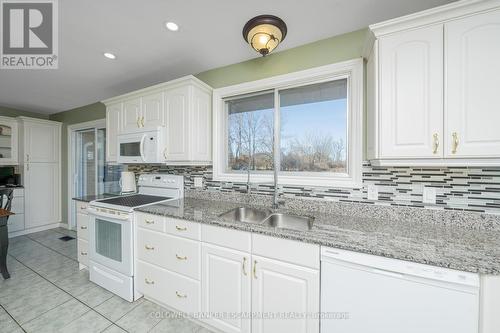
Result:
[
  {"x": 411, "y": 94},
  {"x": 41, "y": 142},
  {"x": 42, "y": 194},
  {"x": 226, "y": 279},
  {"x": 153, "y": 114},
  {"x": 280, "y": 288},
  {"x": 177, "y": 117},
  {"x": 131, "y": 116},
  {"x": 472, "y": 115},
  {"x": 112, "y": 130}
]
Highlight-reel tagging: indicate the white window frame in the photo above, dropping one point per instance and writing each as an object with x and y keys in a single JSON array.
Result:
[{"x": 352, "y": 70}]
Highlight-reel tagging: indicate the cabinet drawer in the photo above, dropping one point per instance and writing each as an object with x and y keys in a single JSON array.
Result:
[
  {"x": 183, "y": 228},
  {"x": 15, "y": 222},
  {"x": 173, "y": 253},
  {"x": 18, "y": 192},
  {"x": 82, "y": 225},
  {"x": 81, "y": 207},
  {"x": 169, "y": 288},
  {"x": 17, "y": 205},
  {"x": 148, "y": 221},
  {"x": 83, "y": 252},
  {"x": 234, "y": 239},
  {"x": 294, "y": 252}
]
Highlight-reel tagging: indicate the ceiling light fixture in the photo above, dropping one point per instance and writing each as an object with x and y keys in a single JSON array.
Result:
[
  {"x": 264, "y": 33},
  {"x": 110, "y": 55},
  {"x": 172, "y": 26}
]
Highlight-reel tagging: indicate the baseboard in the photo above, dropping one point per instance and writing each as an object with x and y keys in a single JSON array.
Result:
[
  {"x": 64, "y": 225},
  {"x": 32, "y": 230}
]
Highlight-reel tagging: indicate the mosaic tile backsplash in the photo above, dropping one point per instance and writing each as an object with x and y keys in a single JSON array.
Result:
[{"x": 457, "y": 188}]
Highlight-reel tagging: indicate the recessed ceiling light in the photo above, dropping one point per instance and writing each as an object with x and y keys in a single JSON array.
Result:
[
  {"x": 172, "y": 26},
  {"x": 109, "y": 55}
]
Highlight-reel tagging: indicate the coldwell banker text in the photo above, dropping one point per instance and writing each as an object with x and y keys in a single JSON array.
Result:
[{"x": 29, "y": 36}]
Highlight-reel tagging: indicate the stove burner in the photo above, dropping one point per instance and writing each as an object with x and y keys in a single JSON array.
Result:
[{"x": 133, "y": 200}]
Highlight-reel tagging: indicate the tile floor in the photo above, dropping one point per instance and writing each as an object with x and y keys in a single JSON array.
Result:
[{"x": 47, "y": 293}]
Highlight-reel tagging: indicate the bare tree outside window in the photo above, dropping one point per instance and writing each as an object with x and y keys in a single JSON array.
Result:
[{"x": 313, "y": 129}]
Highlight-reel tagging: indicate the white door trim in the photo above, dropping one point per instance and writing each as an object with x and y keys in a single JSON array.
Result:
[{"x": 100, "y": 123}]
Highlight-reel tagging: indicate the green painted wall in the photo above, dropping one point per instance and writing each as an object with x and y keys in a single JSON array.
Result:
[
  {"x": 10, "y": 112},
  {"x": 75, "y": 116},
  {"x": 322, "y": 52}
]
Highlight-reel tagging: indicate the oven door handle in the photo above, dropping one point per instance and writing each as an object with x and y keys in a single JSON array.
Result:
[
  {"x": 141, "y": 147},
  {"x": 94, "y": 212}
]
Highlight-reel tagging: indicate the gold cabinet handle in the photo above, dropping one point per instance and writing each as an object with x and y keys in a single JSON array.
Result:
[
  {"x": 148, "y": 247},
  {"x": 255, "y": 269},
  {"x": 83, "y": 253},
  {"x": 149, "y": 221},
  {"x": 149, "y": 281},
  {"x": 181, "y": 295},
  {"x": 180, "y": 228},
  {"x": 165, "y": 153},
  {"x": 27, "y": 157},
  {"x": 83, "y": 208},
  {"x": 435, "y": 144},
  {"x": 138, "y": 122},
  {"x": 142, "y": 121},
  {"x": 180, "y": 257},
  {"x": 454, "y": 146},
  {"x": 83, "y": 227},
  {"x": 244, "y": 266}
]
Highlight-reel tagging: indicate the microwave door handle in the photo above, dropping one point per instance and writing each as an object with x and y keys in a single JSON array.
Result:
[{"x": 141, "y": 148}]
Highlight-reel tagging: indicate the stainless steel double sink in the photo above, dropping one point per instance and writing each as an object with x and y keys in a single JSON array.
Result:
[{"x": 267, "y": 217}]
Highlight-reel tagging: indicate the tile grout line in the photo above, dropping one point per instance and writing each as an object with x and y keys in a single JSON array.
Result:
[
  {"x": 14, "y": 319},
  {"x": 36, "y": 241}
]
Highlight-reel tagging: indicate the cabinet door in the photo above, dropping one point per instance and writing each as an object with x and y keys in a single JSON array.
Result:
[
  {"x": 8, "y": 141},
  {"x": 42, "y": 194},
  {"x": 411, "y": 94},
  {"x": 112, "y": 130},
  {"x": 177, "y": 117},
  {"x": 42, "y": 142},
  {"x": 153, "y": 114},
  {"x": 472, "y": 117},
  {"x": 131, "y": 116},
  {"x": 226, "y": 287},
  {"x": 281, "y": 288},
  {"x": 201, "y": 122}
]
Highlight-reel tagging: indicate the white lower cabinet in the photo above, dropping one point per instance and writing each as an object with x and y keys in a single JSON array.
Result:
[
  {"x": 286, "y": 296},
  {"x": 16, "y": 221},
  {"x": 82, "y": 233},
  {"x": 226, "y": 288}
]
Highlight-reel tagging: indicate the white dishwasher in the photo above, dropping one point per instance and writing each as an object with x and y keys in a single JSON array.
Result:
[{"x": 363, "y": 293}]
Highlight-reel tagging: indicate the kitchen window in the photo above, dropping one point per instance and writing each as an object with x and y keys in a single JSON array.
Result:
[{"x": 313, "y": 118}]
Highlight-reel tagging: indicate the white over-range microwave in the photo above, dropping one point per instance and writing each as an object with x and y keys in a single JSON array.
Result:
[{"x": 141, "y": 147}]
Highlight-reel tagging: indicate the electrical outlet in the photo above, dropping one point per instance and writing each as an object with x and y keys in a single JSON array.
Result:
[
  {"x": 429, "y": 195},
  {"x": 198, "y": 181},
  {"x": 372, "y": 192}
]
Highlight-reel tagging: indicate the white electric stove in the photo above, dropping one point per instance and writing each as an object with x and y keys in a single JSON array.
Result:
[{"x": 111, "y": 231}]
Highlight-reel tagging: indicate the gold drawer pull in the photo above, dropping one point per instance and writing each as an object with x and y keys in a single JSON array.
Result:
[
  {"x": 454, "y": 146},
  {"x": 83, "y": 253},
  {"x": 148, "y": 247},
  {"x": 83, "y": 207},
  {"x": 180, "y": 295},
  {"x": 181, "y": 228},
  {"x": 245, "y": 266},
  {"x": 255, "y": 269},
  {"x": 83, "y": 227},
  {"x": 142, "y": 121},
  {"x": 180, "y": 258},
  {"x": 149, "y": 281},
  {"x": 149, "y": 221}
]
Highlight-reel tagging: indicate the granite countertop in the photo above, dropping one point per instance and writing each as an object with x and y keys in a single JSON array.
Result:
[
  {"x": 89, "y": 198},
  {"x": 476, "y": 251}
]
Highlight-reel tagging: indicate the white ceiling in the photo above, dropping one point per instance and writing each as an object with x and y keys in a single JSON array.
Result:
[{"x": 209, "y": 37}]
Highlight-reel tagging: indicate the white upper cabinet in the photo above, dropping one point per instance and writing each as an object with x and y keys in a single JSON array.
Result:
[
  {"x": 411, "y": 93},
  {"x": 177, "y": 120},
  {"x": 8, "y": 141},
  {"x": 131, "y": 116},
  {"x": 432, "y": 87},
  {"x": 472, "y": 113},
  {"x": 152, "y": 115},
  {"x": 113, "y": 117},
  {"x": 183, "y": 108},
  {"x": 41, "y": 141}
]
